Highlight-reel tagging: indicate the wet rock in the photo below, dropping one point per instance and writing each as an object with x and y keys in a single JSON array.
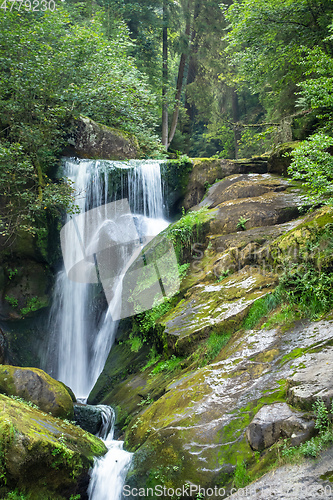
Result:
[
  {"x": 26, "y": 291},
  {"x": 93, "y": 140},
  {"x": 42, "y": 454},
  {"x": 206, "y": 171},
  {"x": 241, "y": 186},
  {"x": 275, "y": 421},
  {"x": 266, "y": 210},
  {"x": 2, "y": 347},
  {"x": 36, "y": 386},
  {"x": 305, "y": 481},
  {"x": 88, "y": 417},
  {"x": 219, "y": 306},
  {"x": 313, "y": 381}
]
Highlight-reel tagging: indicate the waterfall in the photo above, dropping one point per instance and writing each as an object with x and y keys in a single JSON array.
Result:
[
  {"x": 109, "y": 472},
  {"x": 81, "y": 342}
]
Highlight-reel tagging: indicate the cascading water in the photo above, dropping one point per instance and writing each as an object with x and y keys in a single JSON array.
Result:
[
  {"x": 80, "y": 345},
  {"x": 80, "y": 342},
  {"x": 109, "y": 472}
]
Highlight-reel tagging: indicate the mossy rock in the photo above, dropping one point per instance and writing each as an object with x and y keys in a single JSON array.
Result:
[
  {"x": 94, "y": 140},
  {"x": 293, "y": 246},
  {"x": 42, "y": 456},
  {"x": 219, "y": 306},
  {"x": 280, "y": 158},
  {"x": 36, "y": 386},
  {"x": 207, "y": 171}
]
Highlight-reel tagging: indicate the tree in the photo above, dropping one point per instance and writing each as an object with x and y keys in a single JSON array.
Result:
[{"x": 58, "y": 69}]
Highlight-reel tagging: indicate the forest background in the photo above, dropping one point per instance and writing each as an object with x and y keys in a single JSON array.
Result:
[{"x": 201, "y": 78}]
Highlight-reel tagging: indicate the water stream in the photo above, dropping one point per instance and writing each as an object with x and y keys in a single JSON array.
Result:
[{"x": 81, "y": 334}]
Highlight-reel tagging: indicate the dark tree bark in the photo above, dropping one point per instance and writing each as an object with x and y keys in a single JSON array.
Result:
[
  {"x": 181, "y": 72},
  {"x": 165, "y": 121}
]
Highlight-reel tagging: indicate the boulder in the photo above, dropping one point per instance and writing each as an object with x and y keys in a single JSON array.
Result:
[
  {"x": 37, "y": 387},
  {"x": 42, "y": 455},
  {"x": 313, "y": 380},
  {"x": 280, "y": 159},
  {"x": 93, "y": 140},
  {"x": 88, "y": 417},
  {"x": 275, "y": 421},
  {"x": 207, "y": 171},
  {"x": 266, "y": 210},
  {"x": 241, "y": 186}
]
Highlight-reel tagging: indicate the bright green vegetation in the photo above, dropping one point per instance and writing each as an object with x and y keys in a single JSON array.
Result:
[
  {"x": 187, "y": 230},
  {"x": 215, "y": 344},
  {"x": 241, "y": 223},
  {"x": 70, "y": 68},
  {"x": 313, "y": 164},
  {"x": 316, "y": 444}
]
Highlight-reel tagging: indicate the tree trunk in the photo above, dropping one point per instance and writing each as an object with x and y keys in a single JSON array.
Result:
[
  {"x": 180, "y": 78},
  {"x": 165, "y": 122},
  {"x": 235, "y": 115}
]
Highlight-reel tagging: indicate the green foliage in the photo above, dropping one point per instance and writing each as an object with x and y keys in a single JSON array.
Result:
[
  {"x": 315, "y": 445},
  {"x": 313, "y": 165},
  {"x": 241, "y": 476},
  {"x": 59, "y": 69},
  {"x": 15, "y": 495},
  {"x": 186, "y": 230},
  {"x": 261, "y": 308},
  {"x": 33, "y": 304},
  {"x": 215, "y": 343},
  {"x": 12, "y": 301},
  {"x": 241, "y": 223},
  {"x": 30, "y": 404},
  {"x": 153, "y": 358},
  {"x": 168, "y": 365}
]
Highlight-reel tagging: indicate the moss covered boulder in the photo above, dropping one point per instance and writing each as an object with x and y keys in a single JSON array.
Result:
[
  {"x": 280, "y": 158},
  {"x": 43, "y": 456},
  {"x": 206, "y": 171},
  {"x": 93, "y": 140},
  {"x": 36, "y": 386}
]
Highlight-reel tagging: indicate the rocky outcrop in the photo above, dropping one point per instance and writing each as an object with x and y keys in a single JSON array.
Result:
[
  {"x": 186, "y": 407},
  {"x": 305, "y": 481},
  {"x": 313, "y": 380},
  {"x": 88, "y": 417},
  {"x": 42, "y": 455},
  {"x": 206, "y": 172},
  {"x": 280, "y": 158},
  {"x": 277, "y": 421},
  {"x": 93, "y": 140},
  {"x": 37, "y": 387}
]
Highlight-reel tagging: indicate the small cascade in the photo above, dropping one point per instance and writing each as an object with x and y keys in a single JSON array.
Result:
[
  {"x": 109, "y": 472},
  {"x": 80, "y": 338}
]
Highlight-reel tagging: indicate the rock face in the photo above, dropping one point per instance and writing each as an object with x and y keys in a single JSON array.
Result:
[
  {"x": 206, "y": 171},
  {"x": 93, "y": 140},
  {"x": 88, "y": 417},
  {"x": 42, "y": 455},
  {"x": 280, "y": 159},
  {"x": 313, "y": 381},
  {"x": 187, "y": 408},
  {"x": 275, "y": 421},
  {"x": 305, "y": 481},
  {"x": 36, "y": 386}
]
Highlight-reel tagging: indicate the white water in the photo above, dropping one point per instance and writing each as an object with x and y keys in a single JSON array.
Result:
[
  {"x": 80, "y": 344},
  {"x": 109, "y": 472}
]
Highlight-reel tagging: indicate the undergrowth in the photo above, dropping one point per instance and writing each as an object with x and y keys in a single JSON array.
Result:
[
  {"x": 187, "y": 230},
  {"x": 305, "y": 287},
  {"x": 316, "y": 444}
]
